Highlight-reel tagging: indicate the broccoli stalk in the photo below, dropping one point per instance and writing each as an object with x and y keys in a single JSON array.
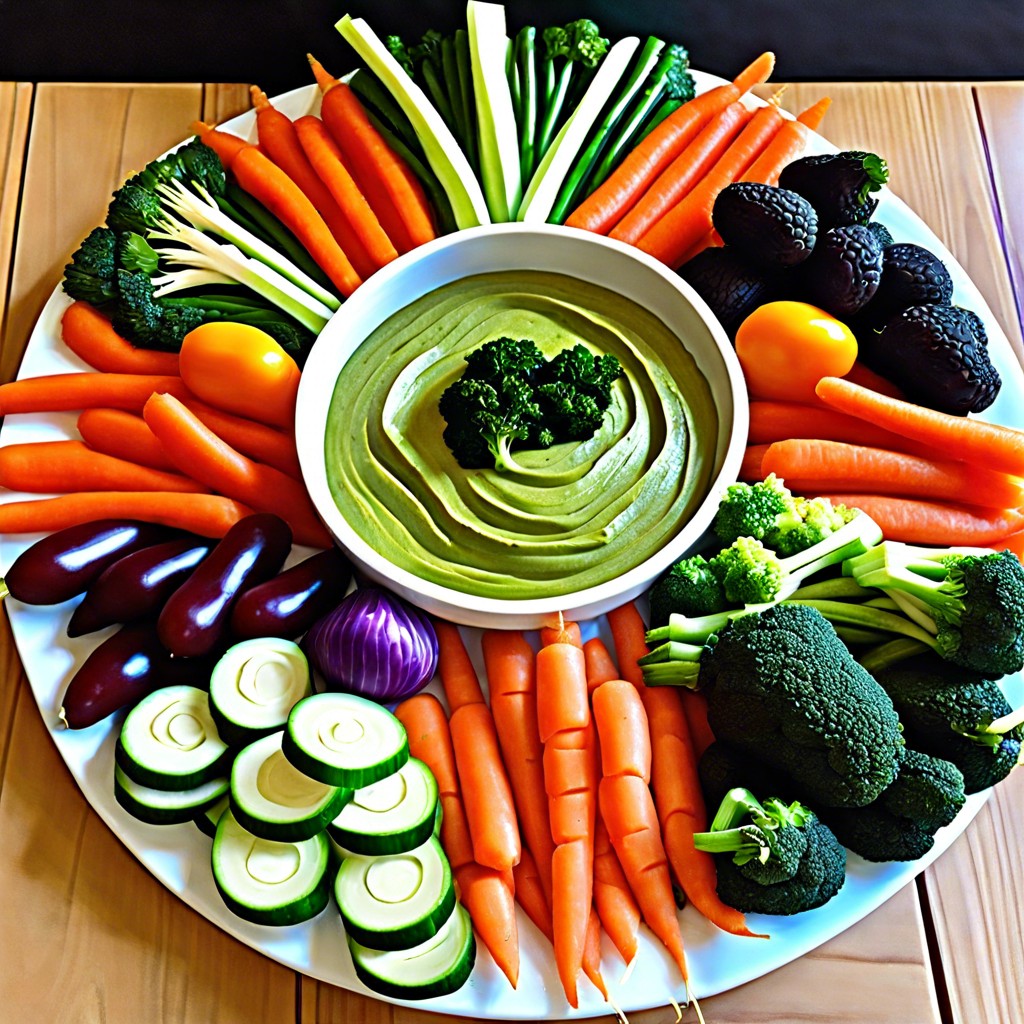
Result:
[{"x": 970, "y": 600}]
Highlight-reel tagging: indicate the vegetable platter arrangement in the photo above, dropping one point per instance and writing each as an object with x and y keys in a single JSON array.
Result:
[{"x": 210, "y": 253}]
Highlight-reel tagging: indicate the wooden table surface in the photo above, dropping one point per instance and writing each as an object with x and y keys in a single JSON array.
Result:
[{"x": 89, "y": 936}]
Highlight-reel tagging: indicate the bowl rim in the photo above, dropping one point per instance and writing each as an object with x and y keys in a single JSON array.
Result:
[{"x": 321, "y": 371}]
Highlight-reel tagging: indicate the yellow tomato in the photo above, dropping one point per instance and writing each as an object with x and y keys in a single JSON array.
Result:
[
  {"x": 786, "y": 347},
  {"x": 242, "y": 370}
]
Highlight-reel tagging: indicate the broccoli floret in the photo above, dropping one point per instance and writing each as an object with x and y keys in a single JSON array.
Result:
[
  {"x": 688, "y": 588},
  {"x": 748, "y": 572},
  {"x": 504, "y": 357},
  {"x": 134, "y": 253},
  {"x": 91, "y": 276},
  {"x": 927, "y": 794},
  {"x": 783, "y": 687},
  {"x": 973, "y": 601},
  {"x": 956, "y": 715},
  {"x": 579, "y": 40},
  {"x": 784, "y": 859},
  {"x": 397, "y": 48},
  {"x": 135, "y": 208},
  {"x": 751, "y": 510},
  {"x": 810, "y": 522},
  {"x": 679, "y": 83},
  {"x": 575, "y": 390},
  {"x": 192, "y": 162}
]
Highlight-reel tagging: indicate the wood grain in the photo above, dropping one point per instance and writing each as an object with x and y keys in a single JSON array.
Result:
[{"x": 224, "y": 100}]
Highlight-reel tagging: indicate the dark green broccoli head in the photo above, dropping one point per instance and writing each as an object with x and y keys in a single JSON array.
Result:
[
  {"x": 946, "y": 711},
  {"x": 91, "y": 276},
  {"x": 575, "y": 389},
  {"x": 877, "y": 835},
  {"x": 495, "y": 360},
  {"x": 688, "y": 588},
  {"x": 146, "y": 320},
  {"x": 783, "y": 687},
  {"x": 579, "y": 40},
  {"x": 192, "y": 162},
  {"x": 679, "y": 83},
  {"x": 135, "y": 208},
  {"x": 928, "y": 790}
]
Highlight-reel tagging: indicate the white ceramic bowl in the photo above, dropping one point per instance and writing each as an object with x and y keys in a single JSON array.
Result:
[{"x": 589, "y": 257}]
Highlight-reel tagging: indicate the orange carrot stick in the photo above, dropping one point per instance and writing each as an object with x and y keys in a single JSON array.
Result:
[
  {"x": 671, "y": 237},
  {"x": 616, "y": 905},
  {"x": 695, "y": 707},
  {"x": 530, "y": 893},
  {"x": 41, "y": 467},
  {"x": 89, "y": 334},
  {"x": 426, "y": 725},
  {"x": 622, "y": 730},
  {"x": 487, "y": 895},
  {"x": 123, "y": 435},
  {"x": 750, "y": 467},
  {"x": 458, "y": 677},
  {"x": 684, "y": 172},
  {"x": 392, "y": 189},
  {"x": 678, "y": 797},
  {"x": 790, "y": 142},
  {"x": 617, "y": 195},
  {"x": 592, "y": 952},
  {"x": 600, "y": 666},
  {"x": 226, "y": 145},
  {"x": 280, "y": 141},
  {"x": 511, "y": 678},
  {"x": 811, "y": 465},
  {"x": 972, "y": 440},
  {"x": 62, "y": 392},
  {"x": 323, "y": 153},
  {"x": 194, "y": 448},
  {"x": 208, "y": 515}
]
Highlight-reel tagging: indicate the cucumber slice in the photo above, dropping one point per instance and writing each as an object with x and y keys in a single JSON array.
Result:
[
  {"x": 169, "y": 740},
  {"x": 393, "y": 815},
  {"x": 433, "y": 968},
  {"x": 269, "y": 882},
  {"x": 209, "y": 817},
  {"x": 395, "y": 902},
  {"x": 344, "y": 740},
  {"x": 274, "y": 800},
  {"x": 254, "y": 686},
  {"x": 164, "y": 806}
]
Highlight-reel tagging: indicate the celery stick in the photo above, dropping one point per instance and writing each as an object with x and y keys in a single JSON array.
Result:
[
  {"x": 558, "y": 160},
  {"x": 496, "y": 119},
  {"x": 441, "y": 149}
]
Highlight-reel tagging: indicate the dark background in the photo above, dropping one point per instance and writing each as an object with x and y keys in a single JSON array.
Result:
[{"x": 265, "y": 41}]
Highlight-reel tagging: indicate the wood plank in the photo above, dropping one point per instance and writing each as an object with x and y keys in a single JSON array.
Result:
[
  {"x": 15, "y": 106},
  {"x": 1001, "y": 110},
  {"x": 89, "y": 934},
  {"x": 224, "y": 100}
]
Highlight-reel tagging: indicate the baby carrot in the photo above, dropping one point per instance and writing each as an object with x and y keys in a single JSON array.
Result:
[
  {"x": 972, "y": 440},
  {"x": 811, "y": 465},
  {"x": 61, "y": 392},
  {"x": 695, "y": 707},
  {"x": 280, "y": 141},
  {"x": 598, "y": 659},
  {"x": 323, "y": 153},
  {"x": 616, "y": 905},
  {"x": 208, "y": 515},
  {"x": 617, "y": 195},
  {"x": 458, "y": 676},
  {"x": 123, "y": 435},
  {"x": 530, "y": 893},
  {"x": 429, "y": 739},
  {"x": 488, "y": 896},
  {"x": 225, "y": 144},
  {"x": 41, "y": 467},
  {"x": 195, "y": 448},
  {"x": 750, "y": 467},
  {"x": 89, "y": 334},
  {"x": 622, "y": 730},
  {"x": 392, "y": 189}
]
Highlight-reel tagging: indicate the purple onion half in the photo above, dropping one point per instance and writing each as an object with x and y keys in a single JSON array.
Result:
[{"x": 375, "y": 645}]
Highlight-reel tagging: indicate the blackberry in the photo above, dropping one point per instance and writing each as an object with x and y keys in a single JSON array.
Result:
[
  {"x": 770, "y": 226},
  {"x": 730, "y": 284},
  {"x": 844, "y": 270},
  {"x": 911, "y": 276},
  {"x": 838, "y": 185}
]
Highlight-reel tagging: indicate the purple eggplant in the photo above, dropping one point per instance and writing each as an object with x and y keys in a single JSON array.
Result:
[
  {"x": 287, "y": 605},
  {"x": 137, "y": 585},
  {"x": 122, "y": 670},
  {"x": 62, "y": 565},
  {"x": 194, "y": 620}
]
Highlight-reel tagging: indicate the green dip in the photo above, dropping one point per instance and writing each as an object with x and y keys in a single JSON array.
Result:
[{"x": 577, "y": 514}]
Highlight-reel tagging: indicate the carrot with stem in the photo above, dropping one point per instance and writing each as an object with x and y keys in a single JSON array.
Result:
[
  {"x": 486, "y": 793},
  {"x": 677, "y": 793},
  {"x": 623, "y": 188},
  {"x": 41, "y": 467},
  {"x": 674, "y": 234},
  {"x": 510, "y": 663},
  {"x": 91, "y": 336},
  {"x": 684, "y": 172},
  {"x": 325, "y": 156},
  {"x": 63, "y": 392},
  {"x": 195, "y": 448},
  {"x": 208, "y": 515},
  {"x": 258, "y": 175},
  {"x": 972, "y": 440},
  {"x": 810, "y": 465},
  {"x": 280, "y": 141},
  {"x": 123, "y": 435},
  {"x": 392, "y": 189}
]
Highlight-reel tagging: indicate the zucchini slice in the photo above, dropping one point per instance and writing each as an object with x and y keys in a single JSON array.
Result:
[
  {"x": 269, "y": 882},
  {"x": 169, "y": 740},
  {"x": 274, "y": 800},
  {"x": 344, "y": 740},
  {"x": 433, "y": 968},
  {"x": 393, "y": 815},
  {"x": 254, "y": 686},
  {"x": 395, "y": 902},
  {"x": 209, "y": 817},
  {"x": 165, "y": 806}
]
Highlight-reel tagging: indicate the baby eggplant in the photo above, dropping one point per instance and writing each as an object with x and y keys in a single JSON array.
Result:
[
  {"x": 194, "y": 620},
  {"x": 63, "y": 564},
  {"x": 287, "y": 605},
  {"x": 137, "y": 585}
]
